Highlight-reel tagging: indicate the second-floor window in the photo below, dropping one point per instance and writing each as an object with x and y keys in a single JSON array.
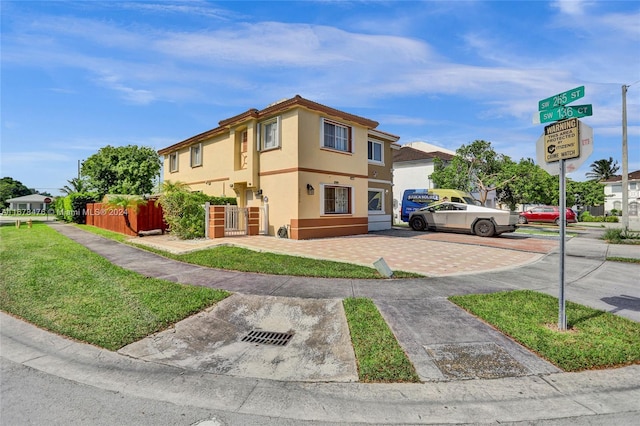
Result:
[
  {"x": 173, "y": 162},
  {"x": 270, "y": 133},
  {"x": 336, "y": 136},
  {"x": 375, "y": 152},
  {"x": 196, "y": 155}
]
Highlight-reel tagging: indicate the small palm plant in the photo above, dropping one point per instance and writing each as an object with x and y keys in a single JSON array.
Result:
[{"x": 128, "y": 203}]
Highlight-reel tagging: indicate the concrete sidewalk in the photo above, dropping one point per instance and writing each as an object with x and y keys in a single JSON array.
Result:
[{"x": 432, "y": 331}]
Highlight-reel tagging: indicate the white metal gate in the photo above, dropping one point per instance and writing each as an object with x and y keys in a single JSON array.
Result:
[{"x": 235, "y": 221}]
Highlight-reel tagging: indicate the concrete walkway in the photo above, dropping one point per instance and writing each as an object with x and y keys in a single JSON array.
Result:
[{"x": 523, "y": 387}]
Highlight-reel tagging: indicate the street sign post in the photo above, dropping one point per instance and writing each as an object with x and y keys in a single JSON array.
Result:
[
  {"x": 47, "y": 201},
  {"x": 561, "y": 143},
  {"x": 561, "y": 99},
  {"x": 562, "y": 112}
]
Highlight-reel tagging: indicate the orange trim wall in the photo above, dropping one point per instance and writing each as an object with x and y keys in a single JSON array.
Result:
[{"x": 303, "y": 229}]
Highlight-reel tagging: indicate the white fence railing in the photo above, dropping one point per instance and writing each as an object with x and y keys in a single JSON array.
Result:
[{"x": 235, "y": 221}]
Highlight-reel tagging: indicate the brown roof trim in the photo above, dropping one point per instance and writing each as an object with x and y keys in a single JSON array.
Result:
[
  {"x": 299, "y": 100},
  {"x": 406, "y": 153},
  {"x": 252, "y": 113},
  {"x": 380, "y": 134},
  {"x": 632, "y": 176},
  {"x": 193, "y": 139},
  {"x": 272, "y": 109}
]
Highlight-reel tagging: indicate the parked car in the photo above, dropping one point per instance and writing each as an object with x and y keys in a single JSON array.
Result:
[
  {"x": 549, "y": 214},
  {"x": 460, "y": 217}
]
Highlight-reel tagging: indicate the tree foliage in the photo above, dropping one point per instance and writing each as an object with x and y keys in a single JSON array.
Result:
[
  {"x": 11, "y": 188},
  {"x": 527, "y": 183},
  {"x": 127, "y": 169},
  {"x": 588, "y": 193},
  {"x": 76, "y": 185},
  {"x": 475, "y": 167},
  {"x": 603, "y": 169}
]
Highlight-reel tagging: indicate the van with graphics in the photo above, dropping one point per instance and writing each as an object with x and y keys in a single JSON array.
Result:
[{"x": 415, "y": 199}]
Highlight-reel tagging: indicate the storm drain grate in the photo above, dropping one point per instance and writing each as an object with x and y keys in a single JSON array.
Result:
[{"x": 268, "y": 337}]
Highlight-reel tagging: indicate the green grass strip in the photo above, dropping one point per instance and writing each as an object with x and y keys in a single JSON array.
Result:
[
  {"x": 61, "y": 286},
  {"x": 380, "y": 358},
  {"x": 623, "y": 259},
  {"x": 245, "y": 260},
  {"x": 594, "y": 339}
]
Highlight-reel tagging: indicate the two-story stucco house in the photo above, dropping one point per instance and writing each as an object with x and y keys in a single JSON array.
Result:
[
  {"x": 613, "y": 193},
  {"x": 313, "y": 169}
]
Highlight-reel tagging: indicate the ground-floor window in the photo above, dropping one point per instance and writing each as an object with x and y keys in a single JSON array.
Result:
[
  {"x": 376, "y": 201},
  {"x": 337, "y": 199}
]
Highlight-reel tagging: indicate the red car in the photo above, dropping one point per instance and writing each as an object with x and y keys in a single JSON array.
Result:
[{"x": 550, "y": 214}]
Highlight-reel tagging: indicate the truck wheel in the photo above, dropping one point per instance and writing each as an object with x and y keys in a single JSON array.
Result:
[
  {"x": 484, "y": 228},
  {"x": 417, "y": 223}
]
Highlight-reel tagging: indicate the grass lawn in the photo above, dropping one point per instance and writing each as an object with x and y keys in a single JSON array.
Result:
[
  {"x": 61, "y": 286},
  {"x": 380, "y": 357},
  {"x": 245, "y": 260},
  {"x": 594, "y": 339}
]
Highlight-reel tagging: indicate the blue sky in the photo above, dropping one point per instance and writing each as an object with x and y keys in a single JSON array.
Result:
[{"x": 79, "y": 75}]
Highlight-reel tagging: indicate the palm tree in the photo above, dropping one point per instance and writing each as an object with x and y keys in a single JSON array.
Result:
[
  {"x": 77, "y": 185},
  {"x": 603, "y": 169}
]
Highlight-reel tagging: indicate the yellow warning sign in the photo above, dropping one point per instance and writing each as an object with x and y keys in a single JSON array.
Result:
[{"x": 561, "y": 140}]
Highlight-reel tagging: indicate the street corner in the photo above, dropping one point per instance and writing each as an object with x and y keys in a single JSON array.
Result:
[{"x": 278, "y": 338}]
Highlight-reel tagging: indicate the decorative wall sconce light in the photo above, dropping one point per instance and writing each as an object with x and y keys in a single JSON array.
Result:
[{"x": 310, "y": 189}]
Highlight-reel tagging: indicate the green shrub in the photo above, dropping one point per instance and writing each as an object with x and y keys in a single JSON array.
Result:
[
  {"x": 73, "y": 207},
  {"x": 615, "y": 212},
  {"x": 184, "y": 211},
  {"x": 585, "y": 216},
  {"x": 620, "y": 235}
]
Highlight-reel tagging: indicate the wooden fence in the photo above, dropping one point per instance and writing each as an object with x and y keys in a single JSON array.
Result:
[{"x": 147, "y": 218}]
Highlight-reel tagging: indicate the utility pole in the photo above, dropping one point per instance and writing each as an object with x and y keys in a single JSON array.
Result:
[{"x": 625, "y": 162}]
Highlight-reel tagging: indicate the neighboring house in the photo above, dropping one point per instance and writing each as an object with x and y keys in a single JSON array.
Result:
[
  {"x": 427, "y": 147},
  {"x": 613, "y": 193},
  {"x": 313, "y": 169},
  {"x": 33, "y": 203},
  {"x": 412, "y": 169}
]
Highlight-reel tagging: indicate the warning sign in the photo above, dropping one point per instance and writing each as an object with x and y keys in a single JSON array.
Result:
[{"x": 561, "y": 140}]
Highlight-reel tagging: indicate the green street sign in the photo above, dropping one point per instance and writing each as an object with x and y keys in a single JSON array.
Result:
[
  {"x": 557, "y": 114},
  {"x": 561, "y": 99}
]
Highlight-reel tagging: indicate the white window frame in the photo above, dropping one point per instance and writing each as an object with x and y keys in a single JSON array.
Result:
[
  {"x": 371, "y": 150},
  {"x": 348, "y": 140},
  {"x": 173, "y": 162},
  {"x": 378, "y": 191},
  {"x": 337, "y": 210},
  {"x": 195, "y": 152},
  {"x": 274, "y": 141}
]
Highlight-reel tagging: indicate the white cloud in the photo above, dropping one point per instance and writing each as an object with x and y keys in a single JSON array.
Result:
[{"x": 571, "y": 7}]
